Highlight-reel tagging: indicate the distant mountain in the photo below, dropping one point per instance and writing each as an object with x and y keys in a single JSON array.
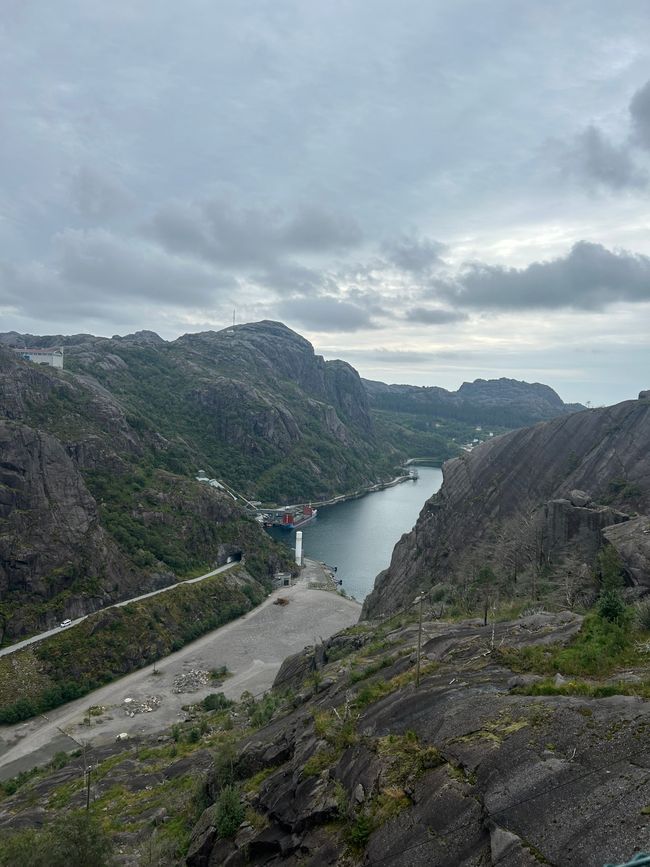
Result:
[{"x": 499, "y": 402}]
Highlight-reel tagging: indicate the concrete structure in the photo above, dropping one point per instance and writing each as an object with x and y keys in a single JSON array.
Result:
[
  {"x": 53, "y": 356},
  {"x": 299, "y": 547}
]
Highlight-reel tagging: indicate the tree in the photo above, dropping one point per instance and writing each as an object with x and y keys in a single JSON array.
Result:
[
  {"x": 74, "y": 840},
  {"x": 610, "y": 602},
  {"x": 488, "y": 583}
]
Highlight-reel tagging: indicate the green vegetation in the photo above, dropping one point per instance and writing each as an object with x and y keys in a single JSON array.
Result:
[
  {"x": 76, "y": 840},
  {"x": 115, "y": 641},
  {"x": 587, "y": 688},
  {"x": 216, "y": 701},
  {"x": 610, "y": 603},
  {"x": 601, "y": 647},
  {"x": 229, "y": 812}
]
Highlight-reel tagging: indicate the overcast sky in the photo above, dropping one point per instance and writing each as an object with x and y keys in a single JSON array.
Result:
[{"x": 434, "y": 191}]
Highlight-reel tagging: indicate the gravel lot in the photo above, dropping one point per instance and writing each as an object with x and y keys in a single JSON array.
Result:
[{"x": 252, "y": 648}]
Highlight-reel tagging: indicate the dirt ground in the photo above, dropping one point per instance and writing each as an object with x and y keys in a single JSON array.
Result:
[{"x": 252, "y": 648}]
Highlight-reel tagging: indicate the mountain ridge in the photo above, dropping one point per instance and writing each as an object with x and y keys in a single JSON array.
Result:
[{"x": 514, "y": 493}]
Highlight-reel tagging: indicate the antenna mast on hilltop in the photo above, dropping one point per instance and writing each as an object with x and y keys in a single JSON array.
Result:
[{"x": 233, "y": 317}]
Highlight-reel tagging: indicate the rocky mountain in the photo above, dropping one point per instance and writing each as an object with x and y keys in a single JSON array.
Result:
[
  {"x": 499, "y": 402},
  {"x": 538, "y": 500},
  {"x": 91, "y": 510},
  {"x": 253, "y": 405},
  {"x": 495, "y": 750},
  {"x": 97, "y": 492}
]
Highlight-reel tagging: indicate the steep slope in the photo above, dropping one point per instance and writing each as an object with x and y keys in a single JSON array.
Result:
[
  {"x": 351, "y": 761},
  {"x": 511, "y": 500},
  {"x": 88, "y": 513},
  {"x": 253, "y": 405}
]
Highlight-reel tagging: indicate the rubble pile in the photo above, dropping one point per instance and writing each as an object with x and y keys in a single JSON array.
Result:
[
  {"x": 133, "y": 706},
  {"x": 191, "y": 681}
]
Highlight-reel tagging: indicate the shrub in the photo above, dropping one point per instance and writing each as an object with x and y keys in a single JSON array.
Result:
[
  {"x": 229, "y": 813},
  {"x": 74, "y": 840},
  {"x": 642, "y": 614},
  {"x": 611, "y": 606},
  {"x": 216, "y": 701},
  {"x": 359, "y": 831}
]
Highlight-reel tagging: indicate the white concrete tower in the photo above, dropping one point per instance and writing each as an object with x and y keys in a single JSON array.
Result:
[{"x": 299, "y": 547}]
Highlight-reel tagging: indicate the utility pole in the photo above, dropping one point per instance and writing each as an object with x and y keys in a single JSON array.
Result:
[
  {"x": 88, "y": 770},
  {"x": 419, "y": 599}
]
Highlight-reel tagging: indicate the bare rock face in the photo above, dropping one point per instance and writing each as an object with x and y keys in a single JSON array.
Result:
[
  {"x": 632, "y": 542},
  {"x": 578, "y": 527},
  {"x": 504, "y": 486},
  {"x": 50, "y": 534},
  {"x": 476, "y": 769}
]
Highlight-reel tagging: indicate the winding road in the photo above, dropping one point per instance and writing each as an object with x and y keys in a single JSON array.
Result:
[{"x": 27, "y": 641}]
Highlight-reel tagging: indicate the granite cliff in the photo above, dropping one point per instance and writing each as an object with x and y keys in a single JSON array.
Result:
[
  {"x": 537, "y": 499},
  {"x": 354, "y": 759},
  {"x": 97, "y": 495}
]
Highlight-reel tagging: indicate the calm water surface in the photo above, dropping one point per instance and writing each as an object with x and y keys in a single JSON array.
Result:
[{"x": 359, "y": 536}]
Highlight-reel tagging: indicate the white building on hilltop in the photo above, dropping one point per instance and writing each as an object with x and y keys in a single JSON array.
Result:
[{"x": 52, "y": 356}]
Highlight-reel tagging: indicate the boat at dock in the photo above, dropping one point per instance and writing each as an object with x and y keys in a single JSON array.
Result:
[{"x": 293, "y": 520}]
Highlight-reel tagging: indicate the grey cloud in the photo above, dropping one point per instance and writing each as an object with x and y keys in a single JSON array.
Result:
[
  {"x": 313, "y": 230},
  {"x": 97, "y": 196},
  {"x": 100, "y": 260},
  {"x": 325, "y": 314},
  {"x": 390, "y": 356},
  {"x": 589, "y": 277},
  {"x": 434, "y": 315},
  {"x": 640, "y": 115},
  {"x": 412, "y": 253},
  {"x": 597, "y": 160},
  {"x": 218, "y": 231},
  {"x": 96, "y": 269},
  {"x": 294, "y": 278}
]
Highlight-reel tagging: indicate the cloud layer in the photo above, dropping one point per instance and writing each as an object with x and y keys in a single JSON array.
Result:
[{"x": 411, "y": 186}]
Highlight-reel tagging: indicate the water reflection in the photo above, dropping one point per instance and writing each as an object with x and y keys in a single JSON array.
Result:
[{"x": 359, "y": 536}]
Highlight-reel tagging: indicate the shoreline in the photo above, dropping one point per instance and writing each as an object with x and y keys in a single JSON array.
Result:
[
  {"x": 356, "y": 495},
  {"x": 370, "y": 489}
]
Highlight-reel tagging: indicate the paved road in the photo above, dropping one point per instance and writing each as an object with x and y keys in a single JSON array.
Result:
[
  {"x": 27, "y": 641},
  {"x": 252, "y": 647}
]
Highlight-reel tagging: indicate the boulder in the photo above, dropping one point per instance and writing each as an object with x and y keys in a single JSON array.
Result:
[{"x": 580, "y": 498}]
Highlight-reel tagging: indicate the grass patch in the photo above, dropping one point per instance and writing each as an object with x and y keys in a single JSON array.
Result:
[
  {"x": 598, "y": 649},
  {"x": 586, "y": 688},
  {"x": 357, "y": 675}
]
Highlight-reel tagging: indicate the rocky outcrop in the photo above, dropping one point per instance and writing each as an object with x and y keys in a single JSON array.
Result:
[
  {"x": 632, "y": 543},
  {"x": 496, "y": 496},
  {"x": 576, "y": 528},
  {"x": 459, "y": 771}
]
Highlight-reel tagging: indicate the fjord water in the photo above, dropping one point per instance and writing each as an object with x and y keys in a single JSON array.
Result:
[{"x": 358, "y": 536}]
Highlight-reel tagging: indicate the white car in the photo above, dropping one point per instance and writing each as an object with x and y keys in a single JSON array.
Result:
[{"x": 65, "y": 623}]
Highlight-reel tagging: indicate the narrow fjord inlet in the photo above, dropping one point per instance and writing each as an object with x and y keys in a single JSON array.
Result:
[{"x": 358, "y": 536}]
